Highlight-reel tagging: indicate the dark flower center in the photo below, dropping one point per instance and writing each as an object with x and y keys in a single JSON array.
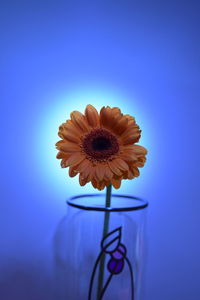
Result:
[{"x": 100, "y": 144}]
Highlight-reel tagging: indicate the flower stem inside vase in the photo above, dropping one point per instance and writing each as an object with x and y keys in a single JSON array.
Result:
[{"x": 105, "y": 232}]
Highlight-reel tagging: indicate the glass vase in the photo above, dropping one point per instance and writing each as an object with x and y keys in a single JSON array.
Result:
[{"x": 99, "y": 252}]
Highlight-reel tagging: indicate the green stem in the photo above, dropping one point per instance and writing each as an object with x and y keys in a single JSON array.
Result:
[{"x": 105, "y": 231}]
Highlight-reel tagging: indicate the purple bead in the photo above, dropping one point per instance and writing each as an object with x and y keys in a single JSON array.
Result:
[
  {"x": 119, "y": 253},
  {"x": 115, "y": 266}
]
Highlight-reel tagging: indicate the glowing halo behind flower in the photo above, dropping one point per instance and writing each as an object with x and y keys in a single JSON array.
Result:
[{"x": 57, "y": 106}]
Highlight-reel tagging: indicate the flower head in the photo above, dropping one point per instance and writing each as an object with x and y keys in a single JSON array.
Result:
[{"x": 100, "y": 147}]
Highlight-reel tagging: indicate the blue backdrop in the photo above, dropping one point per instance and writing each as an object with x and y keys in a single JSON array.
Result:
[{"x": 58, "y": 56}]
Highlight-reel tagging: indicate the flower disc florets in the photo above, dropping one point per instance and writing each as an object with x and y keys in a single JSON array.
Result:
[{"x": 100, "y": 145}]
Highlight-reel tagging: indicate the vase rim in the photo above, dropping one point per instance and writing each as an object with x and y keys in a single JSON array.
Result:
[{"x": 132, "y": 203}]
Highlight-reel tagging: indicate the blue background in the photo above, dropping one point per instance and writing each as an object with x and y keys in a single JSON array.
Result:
[{"x": 58, "y": 56}]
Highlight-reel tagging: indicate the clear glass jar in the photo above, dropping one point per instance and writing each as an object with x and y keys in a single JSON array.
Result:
[{"x": 93, "y": 263}]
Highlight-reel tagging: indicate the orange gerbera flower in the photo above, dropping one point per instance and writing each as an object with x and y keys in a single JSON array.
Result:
[{"x": 100, "y": 147}]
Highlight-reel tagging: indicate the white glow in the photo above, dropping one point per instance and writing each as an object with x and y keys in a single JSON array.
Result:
[{"x": 58, "y": 111}]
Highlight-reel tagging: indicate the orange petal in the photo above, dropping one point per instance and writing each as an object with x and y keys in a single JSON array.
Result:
[
  {"x": 130, "y": 139},
  {"x": 110, "y": 117},
  {"x": 83, "y": 165},
  {"x": 62, "y": 155},
  {"x": 79, "y": 121},
  {"x": 108, "y": 173},
  {"x": 114, "y": 167},
  {"x": 130, "y": 118},
  {"x": 59, "y": 143},
  {"x": 122, "y": 165},
  {"x": 139, "y": 150},
  {"x": 100, "y": 171},
  {"x": 116, "y": 111},
  {"x": 94, "y": 183},
  {"x": 72, "y": 171},
  {"x": 69, "y": 147},
  {"x": 82, "y": 180},
  {"x": 87, "y": 172},
  {"x": 91, "y": 173},
  {"x": 100, "y": 185},
  {"x": 129, "y": 175},
  {"x": 70, "y": 136},
  {"x": 128, "y": 156},
  {"x": 75, "y": 159},
  {"x": 70, "y": 127},
  {"x": 121, "y": 126},
  {"x": 92, "y": 115},
  {"x": 61, "y": 128},
  {"x": 105, "y": 114},
  {"x": 140, "y": 162},
  {"x": 116, "y": 183},
  {"x": 63, "y": 163},
  {"x": 115, "y": 117},
  {"x": 128, "y": 153},
  {"x": 131, "y": 130},
  {"x": 108, "y": 182},
  {"x": 135, "y": 171}
]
